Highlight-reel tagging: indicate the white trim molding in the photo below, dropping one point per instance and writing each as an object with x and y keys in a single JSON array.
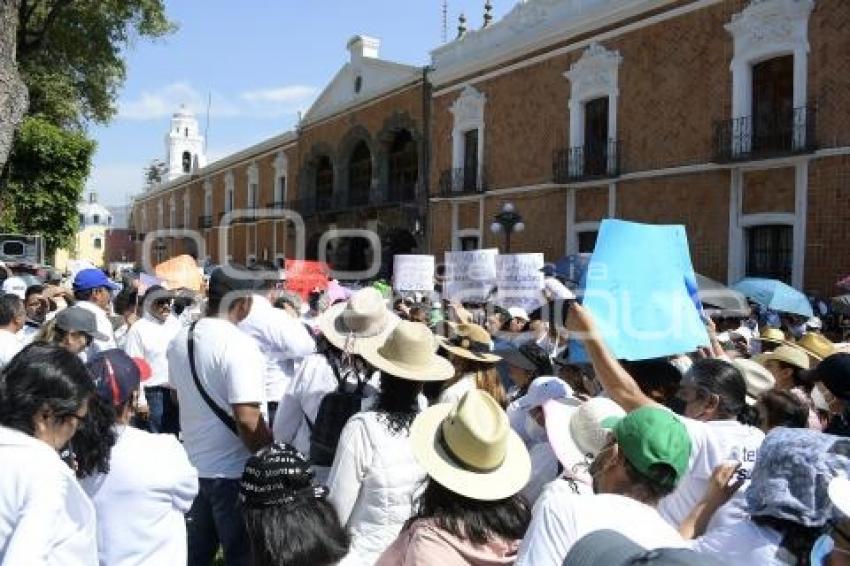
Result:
[
  {"x": 763, "y": 30},
  {"x": 252, "y": 195},
  {"x": 280, "y": 172},
  {"x": 208, "y": 200},
  {"x": 187, "y": 210},
  {"x": 468, "y": 111},
  {"x": 229, "y": 191}
]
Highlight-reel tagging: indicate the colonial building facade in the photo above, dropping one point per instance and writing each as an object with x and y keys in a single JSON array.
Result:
[{"x": 731, "y": 117}]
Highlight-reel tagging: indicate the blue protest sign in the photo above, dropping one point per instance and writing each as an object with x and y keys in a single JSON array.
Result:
[{"x": 638, "y": 286}]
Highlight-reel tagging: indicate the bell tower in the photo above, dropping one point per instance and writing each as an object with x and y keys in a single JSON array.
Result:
[{"x": 184, "y": 145}]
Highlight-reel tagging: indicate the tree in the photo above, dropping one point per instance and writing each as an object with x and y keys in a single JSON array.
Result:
[
  {"x": 45, "y": 184},
  {"x": 155, "y": 172},
  {"x": 13, "y": 92}
]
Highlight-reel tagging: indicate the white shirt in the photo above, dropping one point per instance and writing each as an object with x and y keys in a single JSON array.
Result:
[
  {"x": 713, "y": 443},
  {"x": 230, "y": 368},
  {"x": 562, "y": 517},
  {"x": 10, "y": 344},
  {"x": 45, "y": 516},
  {"x": 148, "y": 338},
  {"x": 103, "y": 326},
  {"x": 373, "y": 484},
  {"x": 744, "y": 544},
  {"x": 314, "y": 380},
  {"x": 544, "y": 469},
  {"x": 28, "y": 332},
  {"x": 281, "y": 338},
  {"x": 454, "y": 392},
  {"x": 140, "y": 503}
]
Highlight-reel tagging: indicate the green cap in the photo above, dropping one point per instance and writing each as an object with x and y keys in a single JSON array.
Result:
[{"x": 650, "y": 436}]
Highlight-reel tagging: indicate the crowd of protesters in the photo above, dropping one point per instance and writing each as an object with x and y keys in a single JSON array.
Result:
[{"x": 241, "y": 422}]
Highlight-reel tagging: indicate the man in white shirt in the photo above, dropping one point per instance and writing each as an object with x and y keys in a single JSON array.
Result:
[
  {"x": 645, "y": 458},
  {"x": 148, "y": 339},
  {"x": 222, "y": 397},
  {"x": 37, "y": 307},
  {"x": 12, "y": 316},
  {"x": 283, "y": 340},
  {"x": 92, "y": 291}
]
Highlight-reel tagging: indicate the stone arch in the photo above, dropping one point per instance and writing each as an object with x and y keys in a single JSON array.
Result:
[
  {"x": 348, "y": 144},
  {"x": 307, "y": 175},
  {"x": 394, "y": 125}
]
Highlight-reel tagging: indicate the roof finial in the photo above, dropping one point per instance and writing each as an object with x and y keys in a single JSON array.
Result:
[
  {"x": 461, "y": 26},
  {"x": 488, "y": 16}
]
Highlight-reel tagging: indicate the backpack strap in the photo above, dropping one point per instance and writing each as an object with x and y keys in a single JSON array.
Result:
[{"x": 226, "y": 419}]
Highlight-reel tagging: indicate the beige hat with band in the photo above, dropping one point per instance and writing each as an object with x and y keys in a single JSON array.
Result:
[
  {"x": 409, "y": 352},
  {"x": 469, "y": 341},
  {"x": 469, "y": 448},
  {"x": 361, "y": 323},
  {"x": 816, "y": 345},
  {"x": 790, "y": 355}
]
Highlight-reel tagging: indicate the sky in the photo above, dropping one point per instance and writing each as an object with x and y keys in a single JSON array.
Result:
[{"x": 259, "y": 62}]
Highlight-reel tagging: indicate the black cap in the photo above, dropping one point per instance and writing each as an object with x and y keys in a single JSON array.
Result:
[
  {"x": 277, "y": 475},
  {"x": 614, "y": 549},
  {"x": 233, "y": 278},
  {"x": 834, "y": 373}
]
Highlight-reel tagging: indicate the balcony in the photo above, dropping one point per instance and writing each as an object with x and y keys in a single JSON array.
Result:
[
  {"x": 205, "y": 222},
  {"x": 277, "y": 205},
  {"x": 587, "y": 162},
  {"x": 461, "y": 181},
  {"x": 778, "y": 135}
]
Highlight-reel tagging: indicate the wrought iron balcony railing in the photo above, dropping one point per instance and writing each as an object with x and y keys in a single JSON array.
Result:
[
  {"x": 462, "y": 181},
  {"x": 774, "y": 135},
  {"x": 589, "y": 161}
]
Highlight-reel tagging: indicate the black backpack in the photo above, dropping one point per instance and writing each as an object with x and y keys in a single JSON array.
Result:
[{"x": 334, "y": 411}]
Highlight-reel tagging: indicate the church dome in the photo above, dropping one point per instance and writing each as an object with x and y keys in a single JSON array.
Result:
[{"x": 92, "y": 213}]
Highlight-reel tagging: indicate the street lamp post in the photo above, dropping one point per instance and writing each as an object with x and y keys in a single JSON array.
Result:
[{"x": 507, "y": 221}]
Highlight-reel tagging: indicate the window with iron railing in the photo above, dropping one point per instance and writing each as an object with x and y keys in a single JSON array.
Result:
[
  {"x": 470, "y": 160},
  {"x": 770, "y": 251}
]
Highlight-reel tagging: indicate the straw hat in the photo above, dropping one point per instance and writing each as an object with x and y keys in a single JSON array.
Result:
[
  {"x": 787, "y": 354},
  {"x": 772, "y": 335},
  {"x": 409, "y": 353},
  {"x": 578, "y": 430},
  {"x": 815, "y": 345},
  {"x": 361, "y": 323},
  {"x": 469, "y": 341},
  {"x": 469, "y": 448},
  {"x": 757, "y": 378}
]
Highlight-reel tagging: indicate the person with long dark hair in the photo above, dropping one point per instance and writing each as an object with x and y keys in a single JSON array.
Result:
[
  {"x": 470, "y": 511},
  {"x": 45, "y": 516},
  {"x": 374, "y": 474},
  {"x": 123, "y": 469},
  {"x": 289, "y": 520}
]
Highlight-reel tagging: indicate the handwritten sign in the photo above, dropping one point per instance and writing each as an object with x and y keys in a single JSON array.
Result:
[
  {"x": 519, "y": 280},
  {"x": 413, "y": 273},
  {"x": 637, "y": 289},
  {"x": 179, "y": 272},
  {"x": 303, "y": 276},
  {"x": 470, "y": 275}
]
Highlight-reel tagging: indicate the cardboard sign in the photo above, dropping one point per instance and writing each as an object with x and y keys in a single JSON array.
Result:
[
  {"x": 470, "y": 275},
  {"x": 637, "y": 288},
  {"x": 303, "y": 276},
  {"x": 519, "y": 280},
  {"x": 413, "y": 273},
  {"x": 179, "y": 272}
]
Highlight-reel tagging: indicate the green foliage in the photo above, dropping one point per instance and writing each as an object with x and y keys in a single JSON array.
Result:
[
  {"x": 70, "y": 53},
  {"x": 49, "y": 167}
]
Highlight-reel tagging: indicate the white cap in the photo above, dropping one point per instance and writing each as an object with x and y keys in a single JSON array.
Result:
[
  {"x": 15, "y": 286},
  {"x": 518, "y": 312},
  {"x": 543, "y": 389}
]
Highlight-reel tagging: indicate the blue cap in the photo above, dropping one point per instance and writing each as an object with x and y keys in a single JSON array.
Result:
[{"x": 92, "y": 279}]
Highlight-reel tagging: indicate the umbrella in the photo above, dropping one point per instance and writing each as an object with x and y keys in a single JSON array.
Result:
[
  {"x": 775, "y": 295},
  {"x": 718, "y": 295},
  {"x": 841, "y": 304}
]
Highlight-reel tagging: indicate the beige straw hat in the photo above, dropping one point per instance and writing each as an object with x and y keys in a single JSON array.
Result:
[
  {"x": 410, "y": 353},
  {"x": 773, "y": 335},
  {"x": 787, "y": 354},
  {"x": 816, "y": 345},
  {"x": 756, "y": 377},
  {"x": 469, "y": 341},
  {"x": 361, "y": 323},
  {"x": 469, "y": 448}
]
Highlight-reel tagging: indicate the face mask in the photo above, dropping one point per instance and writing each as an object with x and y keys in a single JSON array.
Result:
[
  {"x": 677, "y": 405},
  {"x": 821, "y": 550},
  {"x": 797, "y": 331},
  {"x": 534, "y": 431}
]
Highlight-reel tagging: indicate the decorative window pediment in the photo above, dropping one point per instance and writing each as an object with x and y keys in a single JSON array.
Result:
[{"x": 594, "y": 74}]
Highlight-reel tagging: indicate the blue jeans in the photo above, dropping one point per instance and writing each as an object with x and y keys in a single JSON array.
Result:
[
  {"x": 216, "y": 517},
  {"x": 164, "y": 414}
]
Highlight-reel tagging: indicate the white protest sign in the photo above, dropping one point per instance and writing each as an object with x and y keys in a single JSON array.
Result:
[
  {"x": 470, "y": 275},
  {"x": 413, "y": 273},
  {"x": 520, "y": 281}
]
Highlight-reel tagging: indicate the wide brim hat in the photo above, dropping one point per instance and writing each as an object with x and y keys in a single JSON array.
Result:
[
  {"x": 470, "y": 341},
  {"x": 469, "y": 448},
  {"x": 756, "y": 377},
  {"x": 787, "y": 354},
  {"x": 360, "y": 324},
  {"x": 409, "y": 352},
  {"x": 578, "y": 431},
  {"x": 772, "y": 335},
  {"x": 815, "y": 345}
]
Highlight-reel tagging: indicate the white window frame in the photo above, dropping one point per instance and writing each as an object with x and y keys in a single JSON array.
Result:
[
  {"x": 252, "y": 195},
  {"x": 172, "y": 212},
  {"x": 187, "y": 213},
  {"x": 229, "y": 191},
  {"x": 280, "y": 173},
  {"x": 594, "y": 75},
  {"x": 208, "y": 202},
  {"x": 160, "y": 216},
  {"x": 762, "y": 31},
  {"x": 468, "y": 111}
]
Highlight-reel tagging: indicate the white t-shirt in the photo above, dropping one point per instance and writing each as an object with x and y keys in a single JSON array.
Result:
[
  {"x": 458, "y": 389},
  {"x": 10, "y": 344},
  {"x": 562, "y": 517},
  {"x": 231, "y": 369},
  {"x": 148, "y": 338},
  {"x": 140, "y": 503},
  {"x": 45, "y": 516},
  {"x": 713, "y": 443},
  {"x": 282, "y": 340},
  {"x": 544, "y": 469},
  {"x": 744, "y": 544}
]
